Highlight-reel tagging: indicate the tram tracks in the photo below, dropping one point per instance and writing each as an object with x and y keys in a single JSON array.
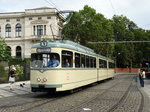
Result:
[
  {"x": 33, "y": 104},
  {"x": 118, "y": 104},
  {"x": 90, "y": 100},
  {"x": 114, "y": 103}
]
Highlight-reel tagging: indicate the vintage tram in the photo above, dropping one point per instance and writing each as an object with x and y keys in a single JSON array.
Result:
[{"x": 85, "y": 66}]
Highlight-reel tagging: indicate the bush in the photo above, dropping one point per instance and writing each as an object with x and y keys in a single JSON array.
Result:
[
  {"x": 3, "y": 74},
  {"x": 2, "y": 70},
  {"x": 22, "y": 68}
]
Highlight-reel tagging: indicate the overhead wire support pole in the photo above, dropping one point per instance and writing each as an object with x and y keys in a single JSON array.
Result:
[
  {"x": 118, "y": 42},
  {"x": 52, "y": 32}
]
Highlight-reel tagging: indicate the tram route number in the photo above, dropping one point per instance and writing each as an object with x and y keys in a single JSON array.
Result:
[{"x": 43, "y": 50}]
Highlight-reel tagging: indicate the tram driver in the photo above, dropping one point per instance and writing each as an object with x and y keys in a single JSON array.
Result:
[{"x": 53, "y": 62}]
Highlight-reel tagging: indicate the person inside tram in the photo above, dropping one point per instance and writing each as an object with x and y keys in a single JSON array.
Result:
[
  {"x": 66, "y": 64},
  {"x": 53, "y": 62},
  {"x": 37, "y": 62}
]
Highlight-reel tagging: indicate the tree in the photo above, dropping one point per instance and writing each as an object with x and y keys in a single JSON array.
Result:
[
  {"x": 88, "y": 26},
  {"x": 131, "y": 54},
  {"x": 4, "y": 52}
]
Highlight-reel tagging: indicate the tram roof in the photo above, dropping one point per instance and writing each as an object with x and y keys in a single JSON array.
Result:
[{"x": 69, "y": 45}]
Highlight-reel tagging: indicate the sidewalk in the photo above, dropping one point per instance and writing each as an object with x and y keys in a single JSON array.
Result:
[{"x": 18, "y": 90}]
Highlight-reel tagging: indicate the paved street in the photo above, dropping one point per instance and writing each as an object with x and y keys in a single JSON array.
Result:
[
  {"x": 119, "y": 95},
  {"x": 147, "y": 87},
  {"x": 18, "y": 90}
]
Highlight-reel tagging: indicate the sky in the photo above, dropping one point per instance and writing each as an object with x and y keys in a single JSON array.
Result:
[{"x": 137, "y": 11}]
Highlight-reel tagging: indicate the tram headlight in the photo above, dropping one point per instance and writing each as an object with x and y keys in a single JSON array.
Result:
[
  {"x": 44, "y": 79},
  {"x": 39, "y": 79}
]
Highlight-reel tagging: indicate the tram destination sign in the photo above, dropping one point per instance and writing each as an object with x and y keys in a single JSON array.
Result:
[{"x": 43, "y": 50}]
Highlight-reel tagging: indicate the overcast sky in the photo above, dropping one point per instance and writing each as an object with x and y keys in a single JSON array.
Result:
[{"x": 137, "y": 11}]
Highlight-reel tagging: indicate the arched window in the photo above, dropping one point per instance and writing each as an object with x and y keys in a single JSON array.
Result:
[
  {"x": 8, "y": 30},
  {"x": 18, "y": 30},
  {"x": 9, "y": 50},
  {"x": 18, "y": 52}
]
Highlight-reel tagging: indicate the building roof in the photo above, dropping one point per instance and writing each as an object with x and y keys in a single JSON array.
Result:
[
  {"x": 32, "y": 12},
  {"x": 40, "y": 8}
]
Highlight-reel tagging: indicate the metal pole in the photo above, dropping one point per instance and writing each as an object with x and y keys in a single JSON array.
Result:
[{"x": 52, "y": 31}]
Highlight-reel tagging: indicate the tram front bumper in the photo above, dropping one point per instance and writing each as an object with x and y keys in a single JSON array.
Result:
[{"x": 44, "y": 87}]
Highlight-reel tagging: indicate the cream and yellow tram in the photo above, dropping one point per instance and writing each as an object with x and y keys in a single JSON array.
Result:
[{"x": 84, "y": 66}]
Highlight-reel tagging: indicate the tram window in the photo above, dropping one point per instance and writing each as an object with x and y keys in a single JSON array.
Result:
[
  {"x": 105, "y": 64},
  {"x": 77, "y": 60},
  {"x": 67, "y": 59},
  {"x": 101, "y": 63},
  {"x": 82, "y": 61},
  {"x": 94, "y": 60},
  {"x": 36, "y": 60},
  {"x": 111, "y": 65},
  {"x": 87, "y": 61},
  {"x": 52, "y": 60},
  {"x": 43, "y": 60},
  {"x": 91, "y": 62}
]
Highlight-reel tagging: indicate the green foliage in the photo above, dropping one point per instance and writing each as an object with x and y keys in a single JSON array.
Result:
[
  {"x": 21, "y": 66},
  {"x": 19, "y": 72},
  {"x": 4, "y": 52},
  {"x": 15, "y": 61},
  {"x": 2, "y": 70},
  {"x": 131, "y": 54},
  {"x": 3, "y": 74},
  {"x": 88, "y": 26}
]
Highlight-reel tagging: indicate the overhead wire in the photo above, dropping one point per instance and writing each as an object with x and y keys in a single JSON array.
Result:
[
  {"x": 53, "y": 4},
  {"x": 112, "y": 6}
]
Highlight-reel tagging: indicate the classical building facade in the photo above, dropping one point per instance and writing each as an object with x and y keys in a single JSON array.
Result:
[{"x": 20, "y": 30}]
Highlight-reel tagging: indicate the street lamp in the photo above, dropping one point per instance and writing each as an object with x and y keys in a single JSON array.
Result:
[{"x": 116, "y": 60}]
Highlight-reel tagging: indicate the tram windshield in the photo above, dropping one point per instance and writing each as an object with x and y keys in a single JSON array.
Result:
[{"x": 40, "y": 60}]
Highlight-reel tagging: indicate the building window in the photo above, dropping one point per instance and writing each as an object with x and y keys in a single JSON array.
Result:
[
  {"x": 39, "y": 18},
  {"x": 39, "y": 30},
  {"x": 18, "y": 52},
  {"x": 30, "y": 18},
  {"x": 44, "y": 29},
  {"x": 8, "y": 30},
  {"x": 34, "y": 30},
  {"x": 18, "y": 30}
]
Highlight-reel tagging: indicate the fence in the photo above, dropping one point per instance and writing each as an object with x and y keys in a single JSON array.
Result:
[{"x": 127, "y": 70}]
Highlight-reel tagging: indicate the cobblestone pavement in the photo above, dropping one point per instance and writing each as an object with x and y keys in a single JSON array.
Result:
[
  {"x": 17, "y": 89},
  {"x": 123, "y": 94},
  {"x": 147, "y": 87}
]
